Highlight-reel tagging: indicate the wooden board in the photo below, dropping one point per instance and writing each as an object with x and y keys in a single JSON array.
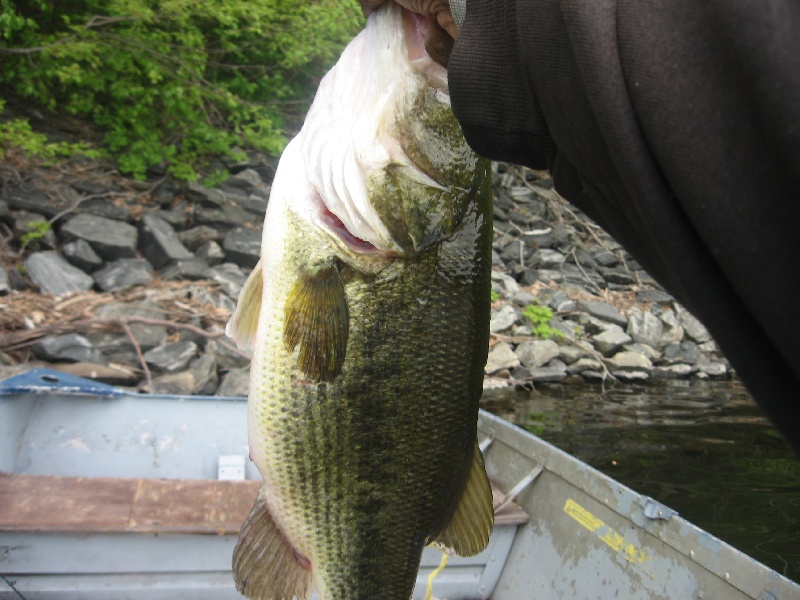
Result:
[
  {"x": 46, "y": 503},
  {"x": 510, "y": 514}
]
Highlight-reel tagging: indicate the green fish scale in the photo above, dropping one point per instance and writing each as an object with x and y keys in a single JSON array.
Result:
[{"x": 371, "y": 466}]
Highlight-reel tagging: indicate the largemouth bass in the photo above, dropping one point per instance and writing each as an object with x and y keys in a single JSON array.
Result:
[{"x": 368, "y": 319}]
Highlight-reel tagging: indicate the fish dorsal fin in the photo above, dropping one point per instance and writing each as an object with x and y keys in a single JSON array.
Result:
[
  {"x": 317, "y": 319},
  {"x": 243, "y": 324},
  {"x": 468, "y": 532},
  {"x": 265, "y": 565}
]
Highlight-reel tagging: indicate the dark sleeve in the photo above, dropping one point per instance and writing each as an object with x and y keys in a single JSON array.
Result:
[{"x": 676, "y": 126}]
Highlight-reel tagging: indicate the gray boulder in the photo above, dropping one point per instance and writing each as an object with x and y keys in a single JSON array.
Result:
[
  {"x": 204, "y": 374},
  {"x": 545, "y": 258},
  {"x": 628, "y": 361},
  {"x": 224, "y": 217},
  {"x": 504, "y": 284},
  {"x": 676, "y": 371},
  {"x": 672, "y": 328},
  {"x": 123, "y": 274},
  {"x": 503, "y": 318},
  {"x": 147, "y": 335},
  {"x": 584, "y": 365},
  {"x": 226, "y": 359},
  {"x": 646, "y": 328},
  {"x": 242, "y": 246},
  {"x": 537, "y": 353},
  {"x": 103, "y": 208},
  {"x": 54, "y": 275},
  {"x": 159, "y": 243},
  {"x": 656, "y": 296},
  {"x": 171, "y": 357},
  {"x": 70, "y": 347},
  {"x": 193, "y": 269},
  {"x": 193, "y": 238},
  {"x": 27, "y": 223},
  {"x": 171, "y": 383},
  {"x": 610, "y": 340},
  {"x": 110, "y": 239},
  {"x": 80, "y": 254},
  {"x": 560, "y": 302},
  {"x": 235, "y": 382},
  {"x": 501, "y": 357},
  {"x": 693, "y": 328},
  {"x": 229, "y": 277},
  {"x": 547, "y": 374},
  {"x": 211, "y": 252},
  {"x": 683, "y": 352},
  {"x": 604, "y": 312}
]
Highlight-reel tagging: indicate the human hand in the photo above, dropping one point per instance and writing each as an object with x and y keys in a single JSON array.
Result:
[{"x": 440, "y": 9}]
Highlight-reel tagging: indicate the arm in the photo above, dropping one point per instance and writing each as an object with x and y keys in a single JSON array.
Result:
[{"x": 675, "y": 125}]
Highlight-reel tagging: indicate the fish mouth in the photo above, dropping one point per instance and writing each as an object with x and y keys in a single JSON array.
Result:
[
  {"x": 353, "y": 140},
  {"x": 336, "y": 228},
  {"x": 417, "y": 34}
]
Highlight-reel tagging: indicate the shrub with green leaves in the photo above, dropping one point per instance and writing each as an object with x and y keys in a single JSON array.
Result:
[
  {"x": 174, "y": 80},
  {"x": 540, "y": 317},
  {"x": 17, "y": 133}
]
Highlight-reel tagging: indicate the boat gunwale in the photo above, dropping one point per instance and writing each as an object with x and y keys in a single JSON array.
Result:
[{"x": 708, "y": 551}]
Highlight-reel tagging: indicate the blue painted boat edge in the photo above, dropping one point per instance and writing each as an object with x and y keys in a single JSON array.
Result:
[
  {"x": 50, "y": 381},
  {"x": 45, "y": 381}
]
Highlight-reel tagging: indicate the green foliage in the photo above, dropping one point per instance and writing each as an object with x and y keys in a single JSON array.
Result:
[
  {"x": 174, "y": 81},
  {"x": 17, "y": 133},
  {"x": 540, "y": 317},
  {"x": 495, "y": 296},
  {"x": 214, "y": 178},
  {"x": 36, "y": 231}
]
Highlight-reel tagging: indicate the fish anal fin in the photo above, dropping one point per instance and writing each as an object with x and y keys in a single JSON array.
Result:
[
  {"x": 317, "y": 319},
  {"x": 243, "y": 324},
  {"x": 468, "y": 532},
  {"x": 265, "y": 564}
]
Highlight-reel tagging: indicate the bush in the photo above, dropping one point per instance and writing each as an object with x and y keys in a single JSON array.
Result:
[
  {"x": 17, "y": 133},
  {"x": 174, "y": 81},
  {"x": 540, "y": 317}
]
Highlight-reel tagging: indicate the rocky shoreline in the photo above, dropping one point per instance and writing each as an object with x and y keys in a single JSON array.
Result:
[{"x": 132, "y": 282}]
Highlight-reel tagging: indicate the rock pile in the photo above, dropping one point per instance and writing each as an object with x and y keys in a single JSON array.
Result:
[{"x": 608, "y": 317}]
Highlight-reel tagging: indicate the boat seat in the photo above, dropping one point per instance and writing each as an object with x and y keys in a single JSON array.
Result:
[
  {"x": 510, "y": 513},
  {"x": 48, "y": 503}
]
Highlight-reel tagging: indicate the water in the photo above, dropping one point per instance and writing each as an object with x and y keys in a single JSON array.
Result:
[{"x": 702, "y": 448}]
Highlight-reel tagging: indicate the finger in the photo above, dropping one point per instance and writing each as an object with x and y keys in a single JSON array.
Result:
[
  {"x": 367, "y": 6},
  {"x": 426, "y": 7},
  {"x": 438, "y": 45},
  {"x": 448, "y": 23}
]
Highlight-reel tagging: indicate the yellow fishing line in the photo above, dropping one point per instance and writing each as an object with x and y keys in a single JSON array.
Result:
[{"x": 432, "y": 576}]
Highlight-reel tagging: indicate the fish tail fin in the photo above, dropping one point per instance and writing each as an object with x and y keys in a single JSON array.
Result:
[
  {"x": 469, "y": 529},
  {"x": 242, "y": 326},
  {"x": 265, "y": 564}
]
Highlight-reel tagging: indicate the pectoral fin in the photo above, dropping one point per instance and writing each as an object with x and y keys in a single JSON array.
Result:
[
  {"x": 468, "y": 532},
  {"x": 243, "y": 324},
  {"x": 265, "y": 565},
  {"x": 317, "y": 319}
]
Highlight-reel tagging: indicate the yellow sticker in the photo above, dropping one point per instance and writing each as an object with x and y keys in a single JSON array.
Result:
[{"x": 628, "y": 551}]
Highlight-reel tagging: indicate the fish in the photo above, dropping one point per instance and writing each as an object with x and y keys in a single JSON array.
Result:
[{"x": 368, "y": 321}]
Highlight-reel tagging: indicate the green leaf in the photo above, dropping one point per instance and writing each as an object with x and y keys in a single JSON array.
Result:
[{"x": 174, "y": 80}]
